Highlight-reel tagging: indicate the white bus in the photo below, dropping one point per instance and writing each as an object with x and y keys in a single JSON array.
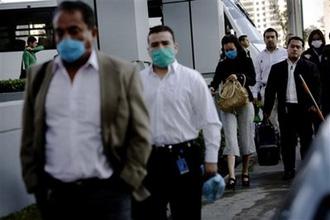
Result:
[
  {"x": 34, "y": 17},
  {"x": 17, "y": 22}
]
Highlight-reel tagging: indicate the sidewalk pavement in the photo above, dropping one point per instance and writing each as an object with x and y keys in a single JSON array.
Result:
[{"x": 258, "y": 202}]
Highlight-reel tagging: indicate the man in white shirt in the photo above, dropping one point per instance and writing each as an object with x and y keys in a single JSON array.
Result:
[
  {"x": 269, "y": 56},
  {"x": 85, "y": 137},
  {"x": 180, "y": 105},
  {"x": 295, "y": 107}
]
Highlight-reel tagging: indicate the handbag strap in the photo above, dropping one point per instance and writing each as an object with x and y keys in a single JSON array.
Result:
[{"x": 244, "y": 80}]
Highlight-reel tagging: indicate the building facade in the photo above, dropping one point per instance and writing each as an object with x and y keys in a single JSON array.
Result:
[
  {"x": 326, "y": 19},
  {"x": 265, "y": 14}
]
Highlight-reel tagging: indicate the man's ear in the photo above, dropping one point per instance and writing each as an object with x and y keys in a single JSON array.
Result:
[
  {"x": 94, "y": 32},
  {"x": 176, "y": 47},
  {"x": 149, "y": 51}
]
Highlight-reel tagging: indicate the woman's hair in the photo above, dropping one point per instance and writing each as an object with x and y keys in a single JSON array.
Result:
[
  {"x": 315, "y": 32},
  {"x": 232, "y": 39}
]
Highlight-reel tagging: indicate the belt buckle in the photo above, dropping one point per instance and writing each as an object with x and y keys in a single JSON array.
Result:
[{"x": 169, "y": 147}]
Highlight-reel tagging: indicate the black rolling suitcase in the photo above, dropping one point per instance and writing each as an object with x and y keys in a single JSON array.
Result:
[{"x": 267, "y": 144}]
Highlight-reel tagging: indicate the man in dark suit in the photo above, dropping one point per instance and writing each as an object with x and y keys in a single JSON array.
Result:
[
  {"x": 325, "y": 80},
  {"x": 245, "y": 43},
  {"x": 85, "y": 136},
  {"x": 295, "y": 107}
]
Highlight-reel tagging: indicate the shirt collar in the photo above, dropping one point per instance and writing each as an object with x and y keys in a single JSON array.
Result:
[
  {"x": 172, "y": 68},
  {"x": 267, "y": 51},
  {"x": 291, "y": 63},
  {"x": 92, "y": 61}
]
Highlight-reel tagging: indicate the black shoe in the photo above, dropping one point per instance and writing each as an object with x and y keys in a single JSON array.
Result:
[
  {"x": 245, "y": 180},
  {"x": 288, "y": 175},
  {"x": 231, "y": 183}
]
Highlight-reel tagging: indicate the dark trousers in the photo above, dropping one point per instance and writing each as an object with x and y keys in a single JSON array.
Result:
[
  {"x": 294, "y": 122},
  {"x": 168, "y": 188},
  {"x": 87, "y": 199}
]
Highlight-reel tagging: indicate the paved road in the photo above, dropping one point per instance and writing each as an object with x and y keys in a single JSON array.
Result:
[{"x": 258, "y": 202}]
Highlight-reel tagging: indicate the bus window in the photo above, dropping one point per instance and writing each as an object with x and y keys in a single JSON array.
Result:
[{"x": 17, "y": 24}]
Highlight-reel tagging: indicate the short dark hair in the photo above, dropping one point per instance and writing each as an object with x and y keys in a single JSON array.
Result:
[
  {"x": 296, "y": 38},
  {"x": 270, "y": 30},
  {"x": 161, "y": 28},
  {"x": 86, "y": 11},
  {"x": 242, "y": 37},
  {"x": 31, "y": 39},
  {"x": 315, "y": 32}
]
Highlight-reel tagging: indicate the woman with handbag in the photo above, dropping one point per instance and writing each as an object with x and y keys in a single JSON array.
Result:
[{"x": 236, "y": 72}]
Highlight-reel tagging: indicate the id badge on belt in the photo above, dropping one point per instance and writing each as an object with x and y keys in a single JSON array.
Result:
[{"x": 182, "y": 165}]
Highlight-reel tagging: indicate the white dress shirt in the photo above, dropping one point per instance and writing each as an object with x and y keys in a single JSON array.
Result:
[
  {"x": 263, "y": 64},
  {"x": 180, "y": 105},
  {"x": 291, "y": 91},
  {"x": 74, "y": 147}
]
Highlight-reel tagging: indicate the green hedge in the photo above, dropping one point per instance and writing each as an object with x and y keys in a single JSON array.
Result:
[{"x": 12, "y": 85}]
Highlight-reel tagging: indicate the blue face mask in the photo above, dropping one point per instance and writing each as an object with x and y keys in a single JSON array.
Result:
[
  {"x": 231, "y": 54},
  {"x": 70, "y": 50},
  {"x": 162, "y": 57}
]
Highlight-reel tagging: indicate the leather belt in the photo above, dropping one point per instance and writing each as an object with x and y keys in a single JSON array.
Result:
[
  {"x": 90, "y": 182},
  {"x": 185, "y": 144}
]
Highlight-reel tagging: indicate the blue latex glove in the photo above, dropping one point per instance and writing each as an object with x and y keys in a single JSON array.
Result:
[{"x": 213, "y": 188}]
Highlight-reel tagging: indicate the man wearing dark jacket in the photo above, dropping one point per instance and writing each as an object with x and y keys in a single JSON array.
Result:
[
  {"x": 295, "y": 107},
  {"x": 325, "y": 80}
]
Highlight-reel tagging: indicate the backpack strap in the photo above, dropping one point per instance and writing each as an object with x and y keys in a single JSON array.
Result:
[{"x": 23, "y": 71}]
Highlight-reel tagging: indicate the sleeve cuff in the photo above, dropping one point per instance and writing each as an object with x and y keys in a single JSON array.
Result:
[{"x": 211, "y": 156}]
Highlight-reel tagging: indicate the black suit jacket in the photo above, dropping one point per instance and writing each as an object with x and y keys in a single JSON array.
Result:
[
  {"x": 278, "y": 80},
  {"x": 312, "y": 56},
  {"x": 325, "y": 80}
]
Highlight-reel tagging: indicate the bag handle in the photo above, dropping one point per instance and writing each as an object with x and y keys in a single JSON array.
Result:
[
  {"x": 244, "y": 80},
  {"x": 234, "y": 85}
]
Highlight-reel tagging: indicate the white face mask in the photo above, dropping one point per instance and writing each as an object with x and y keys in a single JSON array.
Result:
[{"x": 316, "y": 43}]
